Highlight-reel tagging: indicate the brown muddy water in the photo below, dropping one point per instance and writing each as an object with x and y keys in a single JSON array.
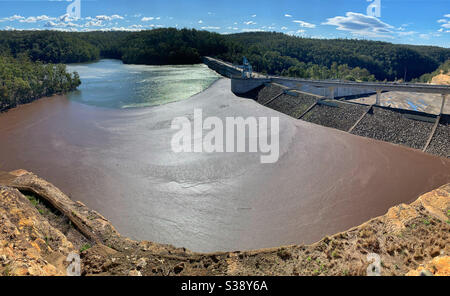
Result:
[{"x": 120, "y": 163}]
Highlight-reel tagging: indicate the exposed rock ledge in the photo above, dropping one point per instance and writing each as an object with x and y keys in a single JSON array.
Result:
[{"x": 40, "y": 226}]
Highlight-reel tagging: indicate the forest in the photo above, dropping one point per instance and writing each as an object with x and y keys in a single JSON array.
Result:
[
  {"x": 386, "y": 61},
  {"x": 269, "y": 52},
  {"x": 443, "y": 69},
  {"x": 22, "y": 81},
  {"x": 43, "y": 52}
]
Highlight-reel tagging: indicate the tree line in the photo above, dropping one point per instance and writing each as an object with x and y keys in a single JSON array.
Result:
[
  {"x": 268, "y": 52},
  {"x": 443, "y": 69},
  {"x": 22, "y": 80},
  {"x": 386, "y": 61}
]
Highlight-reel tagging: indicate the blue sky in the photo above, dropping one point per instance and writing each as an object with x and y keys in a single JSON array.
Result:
[{"x": 401, "y": 21}]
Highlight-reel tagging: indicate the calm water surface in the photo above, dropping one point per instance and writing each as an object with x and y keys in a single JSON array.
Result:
[
  {"x": 110, "y": 83},
  {"x": 119, "y": 162}
]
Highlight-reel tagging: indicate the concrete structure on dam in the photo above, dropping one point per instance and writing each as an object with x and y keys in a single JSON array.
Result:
[{"x": 324, "y": 102}]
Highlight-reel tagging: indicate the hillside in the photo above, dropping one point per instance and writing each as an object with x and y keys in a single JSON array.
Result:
[
  {"x": 440, "y": 76},
  {"x": 272, "y": 53},
  {"x": 441, "y": 79},
  {"x": 384, "y": 60}
]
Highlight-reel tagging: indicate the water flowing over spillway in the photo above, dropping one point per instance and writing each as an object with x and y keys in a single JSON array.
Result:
[{"x": 120, "y": 163}]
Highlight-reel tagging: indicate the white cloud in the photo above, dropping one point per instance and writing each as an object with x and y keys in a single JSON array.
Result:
[
  {"x": 445, "y": 23},
  {"x": 34, "y": 19},
  {"x": 250, "y": 23},
  {"x": 108, "y": 18},
  {"x": 361, "y": 24},
  {"x": 147, "y": 19},
  {"x": 428, "y": 36},
  {"x": 200, "y": 22},
  {"x": 253, "y": 30},
  {"x": 304, "y": 24},
  {"x": 408, "y": 33},
  {"x": 94, "y": 23},
  {"x": 12, "y": 18},
  {"x": 287, "y": 15},
  {"x": 210, "y": 28},
  {"x": 67, "y": 18},
  {"x": 254, "y": 15},
  {"x": 51, "y": 24}
]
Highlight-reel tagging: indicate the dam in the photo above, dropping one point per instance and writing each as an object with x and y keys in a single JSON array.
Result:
[
  {"x": 119, "y": 162},
  {"x": 327, "y": 103}
]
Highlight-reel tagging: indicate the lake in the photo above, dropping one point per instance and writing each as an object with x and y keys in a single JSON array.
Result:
[
  {"x": 110, "y": 83},
  {"x": 118, "y": 161}
]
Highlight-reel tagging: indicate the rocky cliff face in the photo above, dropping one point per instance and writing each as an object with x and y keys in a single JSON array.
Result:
[{"x": 40, "y": 226}]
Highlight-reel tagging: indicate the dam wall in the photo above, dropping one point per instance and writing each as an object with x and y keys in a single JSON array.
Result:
[
  {"x": 336, "y": 92},
  {"x": 427, "y": 132},
  {"x": 316, "y": 102},
  {"x": 221, "y": 67},
  {"x": 242, "y": 86}
]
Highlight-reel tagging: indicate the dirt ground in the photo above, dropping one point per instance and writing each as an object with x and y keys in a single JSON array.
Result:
[
  {"x": 441, "y": 79},
  {"x": 40, "y": 226}
]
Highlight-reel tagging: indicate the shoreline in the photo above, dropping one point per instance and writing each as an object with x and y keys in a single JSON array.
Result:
[{"x": 343, "y": 253}]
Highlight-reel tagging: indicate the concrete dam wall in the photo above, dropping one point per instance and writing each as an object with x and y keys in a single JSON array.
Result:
[
  {"x": 221, "y": 67},
  {"x": 413, "y": 129},
  {"x": 338, "y": 92},
  {"x": 242, "y": 86},
  {"x": 319, "y": 105}
]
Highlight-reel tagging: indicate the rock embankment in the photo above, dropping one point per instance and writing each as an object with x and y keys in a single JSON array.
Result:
[
  {"x": 440, "y": 144},
  {"x": 393, "y": 125},
  {"x": 40, "y": 226},
  {"x": 390, "y": 126},
  {"x": 335, "y": 114}
]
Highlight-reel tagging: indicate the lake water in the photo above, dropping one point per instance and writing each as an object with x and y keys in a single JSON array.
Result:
[
  {"x": 110, "y": 83},
  {"x": 119, "y": 162}
]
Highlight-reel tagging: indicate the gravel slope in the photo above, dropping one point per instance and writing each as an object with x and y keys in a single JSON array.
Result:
[
  {"x": 343, "y": 116},
  {"x": 292, "y": 105},
  {"x": 267, "y": 93},
  {"x": 391, "y": 126},
  {"x": 440, "y": 144}
]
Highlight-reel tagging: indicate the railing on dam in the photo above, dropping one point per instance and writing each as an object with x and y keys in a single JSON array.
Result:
[
  {"x": 315, "y": 101},
  {"x": 336, "y": 88}
]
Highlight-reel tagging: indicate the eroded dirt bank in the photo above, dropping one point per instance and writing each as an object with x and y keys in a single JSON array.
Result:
[{"x": 40, "y": 226}]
